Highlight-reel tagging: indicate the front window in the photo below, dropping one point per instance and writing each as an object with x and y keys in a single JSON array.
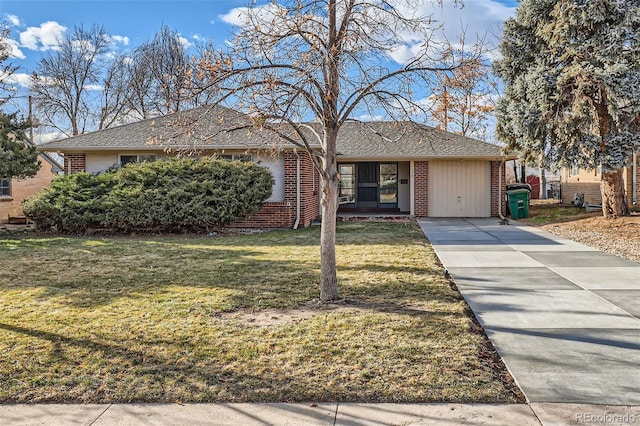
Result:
[
  {"x": 575, "y": 171},
  {"x": 136, "y": 158},
  {"x": 599, "y": 170},
  {"x": 347, "y": 183},
  {"x": 5, "y": 187},
  {"x": 237, "y": 157}
]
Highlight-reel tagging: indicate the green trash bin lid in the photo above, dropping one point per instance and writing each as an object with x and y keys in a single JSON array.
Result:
[{"x": 518, "y": 191}]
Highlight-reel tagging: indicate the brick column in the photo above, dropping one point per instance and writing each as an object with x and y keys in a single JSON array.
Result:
[
  {"x": 421, "y": 188},
  {"x": 496, "y": 202},
  {"x": 74, "y": 163},
  {"x": 309, "y": 187}
]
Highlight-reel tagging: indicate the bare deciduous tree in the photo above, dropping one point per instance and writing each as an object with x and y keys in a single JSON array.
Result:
[
  {"x": 6, "y": 69},
  {"x": 465, "y": 96},
  {"x": 327, "y": 61},
  {"x": 160, "y": 76},
  {"x": 113, "y": 107},
  {"x": 68, "y": 79}
]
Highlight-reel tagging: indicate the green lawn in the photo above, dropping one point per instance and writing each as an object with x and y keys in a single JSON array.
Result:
[{"x": 195, "y": 319}]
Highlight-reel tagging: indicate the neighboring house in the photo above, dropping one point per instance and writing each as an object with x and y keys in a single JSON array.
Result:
[
  {"x": 575, "y": 180},
  {"x": 14, "y": 191},
  {"x": 421, "y": 171},
  {"x": 533, "y": 178}
]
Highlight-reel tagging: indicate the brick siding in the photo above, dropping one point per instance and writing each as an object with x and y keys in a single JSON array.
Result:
[
  {"x": 271, "y": 215},
  {"x": 74, "y": 163},
  {"x": 498, "y": 204},
  {"x": 21, "y": 189},
  {"x": 283, "y": 214},
  {"x": 421, "y": 188},
  {"x": 591, "y": 191},
  {"x": 589, "y": 184}
]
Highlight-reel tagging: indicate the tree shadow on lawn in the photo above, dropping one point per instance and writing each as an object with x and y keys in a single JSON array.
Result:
[
  {"x": 98, "y": 272},
  {"x": 148, "y": 375}
]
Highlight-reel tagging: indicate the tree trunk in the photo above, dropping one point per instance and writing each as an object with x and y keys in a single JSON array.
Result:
[
  {"x": 328, "y": 270},
  {"x": 543, "y": 184},
  {"x": 614, "y": 200}
]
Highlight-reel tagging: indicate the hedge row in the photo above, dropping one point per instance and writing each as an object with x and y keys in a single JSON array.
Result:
[{"x": 192, "y": 194}]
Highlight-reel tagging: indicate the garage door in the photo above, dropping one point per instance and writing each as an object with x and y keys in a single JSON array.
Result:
[{"x": 459, "y": 188}]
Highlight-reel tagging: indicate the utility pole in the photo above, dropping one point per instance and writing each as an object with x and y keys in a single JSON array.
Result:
[{"x": 31, "y": 120}]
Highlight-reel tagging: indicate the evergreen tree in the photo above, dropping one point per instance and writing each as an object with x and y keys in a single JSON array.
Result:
[
  {"x": 17, "y": 160},
  {"x": 572, "y": 87}
]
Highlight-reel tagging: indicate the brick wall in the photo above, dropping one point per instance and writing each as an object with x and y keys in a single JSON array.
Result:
[
  {"x": 74, "y": 163},
  {"x": 21, "y": 189},
  {"x": 283, "y": 214},
  {"x": 497, "y": 194},
  {"x": 628, "y": 181},
  {"x": 271, "y": 215},
  {"x": 421, "y": 188},
  {"x": 591, "y": 191},
  {"x": 588, "y": 183}
]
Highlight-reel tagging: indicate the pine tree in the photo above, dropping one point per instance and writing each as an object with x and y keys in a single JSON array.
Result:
[
  {"x": 572, "y": 87},
  {"x": 17, "y": 160}
]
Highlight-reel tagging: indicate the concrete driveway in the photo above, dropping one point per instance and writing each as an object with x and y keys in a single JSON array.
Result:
[{"x": 564, "y": 317}]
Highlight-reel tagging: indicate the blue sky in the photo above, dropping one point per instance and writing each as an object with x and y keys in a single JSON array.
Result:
[{"x": 36, "y": 24}]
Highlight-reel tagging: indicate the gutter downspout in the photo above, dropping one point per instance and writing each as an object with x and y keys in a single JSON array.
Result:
[
  {"x": 500, "y": 168},
  {"x": 297, "y": 223},
  {"x": 635, "y": 178}
]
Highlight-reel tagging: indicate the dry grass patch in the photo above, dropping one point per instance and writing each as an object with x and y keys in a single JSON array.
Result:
[
  {"x": 619, "y": 236},
  {"x": 164, "y": 319},
  {"x": 542, "y": 214}
]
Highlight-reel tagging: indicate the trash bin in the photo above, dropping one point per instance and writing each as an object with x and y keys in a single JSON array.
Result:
[
  {"x": 519, "y": 185},
  {"x": 518, "y": 203}
]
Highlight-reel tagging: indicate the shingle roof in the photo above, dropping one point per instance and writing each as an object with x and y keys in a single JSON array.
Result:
[
  {"x": 56, "y": 167},
  {"x": 202, "y": 128},
  {"x": 405, "y": 139},
  {"x": 196, "y": 127}
]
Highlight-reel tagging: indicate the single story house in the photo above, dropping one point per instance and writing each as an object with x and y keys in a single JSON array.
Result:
[
  {"x": 576, "y": 180},
  {"x": 384, "y": 166},
  {"x": 14, "y": 191}
]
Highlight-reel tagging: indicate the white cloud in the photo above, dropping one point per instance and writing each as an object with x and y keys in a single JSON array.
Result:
[
  {"x": 402, "y": 53},
  {"x": 120, "y": 39},
  {"x": 93, "y": 87},
  {"x": 475, "y": 19},
  {"x": 14, "y": 49},
  {"x": 184, "y": 42},
  {"x": 12, "y": 19},
  {"x": 47, "y": 137},
  {"x": 239, "y": 16},
  {"x": 20, "y": 79},
  {"x": 370, "y": 117},
  {"x": 236, "y": 16},
  {"x": 45, "y": 37}
]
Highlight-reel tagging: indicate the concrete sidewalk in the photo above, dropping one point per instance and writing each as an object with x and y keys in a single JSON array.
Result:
[
  {"x": 312, "y": 414},
  {"x": 564, "y": 317}
]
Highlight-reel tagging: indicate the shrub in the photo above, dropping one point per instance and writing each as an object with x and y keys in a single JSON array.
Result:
[
  {"x": 72, "y": 203},
  {"x": 196, "y": 194}
]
